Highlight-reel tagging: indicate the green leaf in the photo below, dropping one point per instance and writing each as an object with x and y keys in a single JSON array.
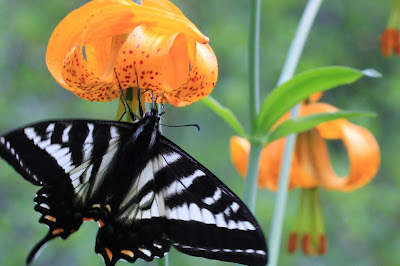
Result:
[
  {"x": 225, "y": 113},
  {"x": 301, "y": 124},
  {"x": 300, "y": 87}
]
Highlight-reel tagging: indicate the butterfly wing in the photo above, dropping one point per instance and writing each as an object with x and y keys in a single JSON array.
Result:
[
  {"x": 69, "y": 160},
  {"x": 146, "y": 192},
  {"x": 176, "y": 201}
]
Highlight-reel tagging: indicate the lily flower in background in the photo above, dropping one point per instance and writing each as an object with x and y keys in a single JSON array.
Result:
[
  {"x": 390, "y": 38},
  {"x": 311, "y": 168},
  {"x": 152, "y": 44}
]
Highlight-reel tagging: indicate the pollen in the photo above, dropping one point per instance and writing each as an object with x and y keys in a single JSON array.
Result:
[
  {"x": 292, "y": 242},
  {"x": 322, "y": 247}
]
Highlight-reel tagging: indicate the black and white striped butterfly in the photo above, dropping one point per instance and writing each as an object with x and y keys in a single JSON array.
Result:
[{"x": 145, "y": 192}]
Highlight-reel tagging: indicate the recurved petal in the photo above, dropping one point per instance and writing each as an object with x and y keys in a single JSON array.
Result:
[
  {"x": 145, "y": 54},
  {"x": 69, "y": 32},
  {"x": 121, "y": 19},
  {"x": 362, "y": 149},
  {"x": 202, "y": 76},
  {"x": 97, "y": 55},
  {"x": 364, "y": 157},
  {"x": 315, "y": 96},
  {"x": 269, "y": 165},
  {"x": 163, "y": 4},
  {"x": 328, "y": 130},
  {"x": 240, "y": 149},
  {"x": 83, "y": 82}
]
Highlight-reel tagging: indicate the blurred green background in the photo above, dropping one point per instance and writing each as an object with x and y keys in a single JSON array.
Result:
[{"x": 362, "y": 226}]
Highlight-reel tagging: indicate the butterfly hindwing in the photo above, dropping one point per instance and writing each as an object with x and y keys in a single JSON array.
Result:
[
  {"x": 68, "y": 159},
  {"x": 174, "y": 200}
]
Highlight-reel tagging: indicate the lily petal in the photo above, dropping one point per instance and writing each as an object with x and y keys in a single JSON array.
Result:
[
  {"x": 364, "y": 158},
  {"x": 162, "y": 4},
  {"x": 97, "y": 54},
  {"x": 361, "y": 145},
  {"x": 69, "y": 32},
  {"x": 329, "y": 130},
  {"x": 146, "y": 53},
  {"x": 202, "y": 77},
  {"x": 83, "y": 82},
  {"x": 86, "y": 25},
  {"x": 270, "y": 161}
]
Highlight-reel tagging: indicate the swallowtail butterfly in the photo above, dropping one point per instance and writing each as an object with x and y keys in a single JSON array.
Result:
[{"x": 145, "y": 192}]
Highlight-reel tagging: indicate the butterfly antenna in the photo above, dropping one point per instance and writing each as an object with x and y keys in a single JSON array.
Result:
[
  {"x": 187, "y": 125},
  {"x": 126, "y": 105},
  {"x": 163, "y": 109},
  {"x": 138, "y": 92},
  {"x": 162, "y": 105},
  {"x": 152, "y": 100}
]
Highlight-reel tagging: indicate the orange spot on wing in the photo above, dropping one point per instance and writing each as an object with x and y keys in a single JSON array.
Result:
[
  {"x": 109, "y": 253},
  {"x": 84, "y": 219},
  {"x": 128, "y": 253},
  {"x": 101, "y": 223},
  {"x": 58, "y": 231},
  {"x": 50, "y": 218}
]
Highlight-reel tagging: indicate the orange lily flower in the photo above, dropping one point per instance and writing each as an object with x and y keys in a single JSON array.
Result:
[
  {"x": 390, "y": 38},
  {"x": 390, "y": 41},
  {"x": 311, "y": 168},
  {"x": 311, "y": 165},
  {"x": 152, "y": 44}
]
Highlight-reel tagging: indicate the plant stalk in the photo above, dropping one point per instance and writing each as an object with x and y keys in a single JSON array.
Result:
[
  {"x": 292, "y": 59},
  {"x": 250, "y": 184},
  {"x": 254, "y": 61}
]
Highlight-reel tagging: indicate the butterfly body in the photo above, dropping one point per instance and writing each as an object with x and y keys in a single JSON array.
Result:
[{"x": 145, "y": 192}]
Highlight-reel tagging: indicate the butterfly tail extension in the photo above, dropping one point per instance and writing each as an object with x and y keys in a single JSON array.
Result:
[{"x": 37, "y": 248}]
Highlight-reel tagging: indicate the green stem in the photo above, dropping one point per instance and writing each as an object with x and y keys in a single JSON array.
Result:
[
  {"x": 300, "y": 212},
  {"x": 320, "y": 218},
  {"x": 250, "y": 184},
  {"x": 163, "y": 261},
  {"x": 295, "y": 51},
  {"x": 254, "y": 61},
  {"x": 394, "y": 15}
]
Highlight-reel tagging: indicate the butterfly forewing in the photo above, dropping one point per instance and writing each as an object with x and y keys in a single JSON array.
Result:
[{"x": 205, "y": 218}]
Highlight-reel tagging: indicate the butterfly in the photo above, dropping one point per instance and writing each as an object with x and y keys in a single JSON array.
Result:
[{"x": 145, "y": 192}]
